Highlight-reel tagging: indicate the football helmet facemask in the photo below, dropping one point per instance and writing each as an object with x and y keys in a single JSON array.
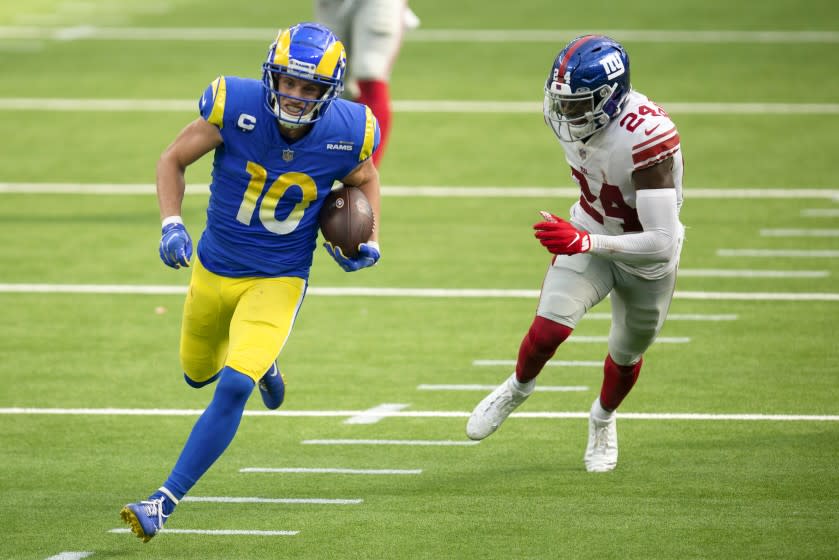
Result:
[
  {"x": 587, "y": 87},
  {"x": 307, "y": 51}
]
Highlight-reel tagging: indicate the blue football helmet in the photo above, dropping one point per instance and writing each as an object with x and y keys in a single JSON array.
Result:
[
  {"x": 587, "y": 87},
  {"x": 307, "y": 51}
]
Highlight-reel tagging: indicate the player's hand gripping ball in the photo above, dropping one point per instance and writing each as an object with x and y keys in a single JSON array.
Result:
[{"x": 346, "y": 220}]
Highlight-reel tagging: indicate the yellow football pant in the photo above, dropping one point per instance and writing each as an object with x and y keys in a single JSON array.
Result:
[{"x": 242, "y": 323}]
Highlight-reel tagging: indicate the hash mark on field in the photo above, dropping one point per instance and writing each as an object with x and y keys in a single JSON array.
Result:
[
  {"x": 793, "y": 253},
  {"x": 255, "y": 500},
  {"x": 820, "y": 213},
  {"x": 553, "y": 388},
  {"x": 385, "y": 442},
  {"x": 70, "y": 556},
  {"x": 217, "y": 532},
  {"x": 799, "y": 232},
  {"x": 331, "y": 471},
  {"x": 723, "y": 273},
  {"x": 375, "y": 414},
  {"x": 554, "y": 363}
]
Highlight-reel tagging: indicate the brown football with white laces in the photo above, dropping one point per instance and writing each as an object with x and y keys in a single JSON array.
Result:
[{"x": 346, "y": 219}]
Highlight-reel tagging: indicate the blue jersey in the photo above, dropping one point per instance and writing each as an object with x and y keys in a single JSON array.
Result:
[{"x": 267, "y": 191}]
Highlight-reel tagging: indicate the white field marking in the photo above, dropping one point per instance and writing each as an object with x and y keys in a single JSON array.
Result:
[
  {"x": 331, "y": 471},
  {"x": 409, "y": 106},
  {"x": 799, "y": 232},
  {"x": 348, "y": 291},
  {"x": 421, "y": 442},
  {"x": 425, "y": 191},
  {"x": 677, "y": 316},
  {"x": 559, "y": 363},
  {"x": 217, "y": 532},
  {"x": 70, "y": 556},
  {"x": 820, "y": 213},
  {"x": 723, "y": 273},
  {"x": 375, "y": 414},
  {"x": 256, "y": 500},
  {"x": 546, "y": 388},
  {"x": 756, "y": 296},
  {"x": 407, "y": 414},
  {"x": 423, "y": 35},
  {"x": 601, "y": 339},
  {"x": 792, "y": 253}
]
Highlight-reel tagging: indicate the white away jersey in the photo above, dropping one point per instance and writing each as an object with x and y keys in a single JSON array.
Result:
[{"x": 639, "y": 137}]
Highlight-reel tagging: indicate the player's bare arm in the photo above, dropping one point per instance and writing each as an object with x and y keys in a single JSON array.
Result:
[
  {"x": 196, "y": 139},
  {"x": 366, "y": 177},
  {"x": 658, "y": 176}
]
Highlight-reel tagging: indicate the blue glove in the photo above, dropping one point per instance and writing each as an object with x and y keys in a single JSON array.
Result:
[
  {"x": 368, "y": 255},
  {"x": 175, "y": 246}
]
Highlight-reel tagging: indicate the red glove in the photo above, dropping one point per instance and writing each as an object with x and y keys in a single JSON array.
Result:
[{"x": 560, "y": 237}]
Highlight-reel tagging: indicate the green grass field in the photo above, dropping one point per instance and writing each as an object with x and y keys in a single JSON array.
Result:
[{"x": 728, "y": 445}]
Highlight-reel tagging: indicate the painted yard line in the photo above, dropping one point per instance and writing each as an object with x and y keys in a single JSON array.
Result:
[
  {"x": 792, "y": 253},
  {"x": 255, "y": 500},
  {"x": 820, "y": 213},
  {"x": 409, "y": 106},
  {"x": 723, "y": 273},
  {"x": 216, "y": 532},
  {"x": 601, "y": 339},
  {"x": 677, "y": 316},
  {"x": 547, "y": 388},
  {"x": 396, "y": 292},
  {"x": 756, "y": 296},
  {"x": 420, "y": 442},
  {"x": 555, "y": 363},
  {"x": 375, "y": 414},
  {"x": 70, "y": 556},
  {"x": 409, "y": 414},
  {"x": 799, "y": 232},
  {"x": 422, "y": 35},
  {"x": 331, "y": 471},
  {"x": 423, "y": 191}
]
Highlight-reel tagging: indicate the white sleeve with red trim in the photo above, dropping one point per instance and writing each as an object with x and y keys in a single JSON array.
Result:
[
  {"x": 659, "y": 216},
  {"x": 657, "y": 148}
]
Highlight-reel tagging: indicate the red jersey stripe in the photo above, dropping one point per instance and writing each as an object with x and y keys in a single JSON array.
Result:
[
  {"x": 657, "y": 151},
  {"x": 654, "y": 139}
]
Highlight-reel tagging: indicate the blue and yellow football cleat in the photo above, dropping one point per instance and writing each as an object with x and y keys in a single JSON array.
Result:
[
  {"x": 146, "y": 518},
  {"x": 272, "y": 388}
]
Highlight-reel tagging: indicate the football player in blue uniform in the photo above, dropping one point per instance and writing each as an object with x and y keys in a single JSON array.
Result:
[{"x": 279, "y": 145}]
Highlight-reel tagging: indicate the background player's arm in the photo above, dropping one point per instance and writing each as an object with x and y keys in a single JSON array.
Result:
[
  {"x": 196, "y": 139},
  {"x": 366, "y": 177}
]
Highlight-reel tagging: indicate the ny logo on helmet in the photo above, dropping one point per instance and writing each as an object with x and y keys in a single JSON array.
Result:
[{"x": 613, "y": 65}]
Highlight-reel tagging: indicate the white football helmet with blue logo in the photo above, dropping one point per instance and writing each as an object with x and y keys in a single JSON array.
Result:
[
  {"x": 587, "y": 87},
  {"x": 307, "y": 51}
]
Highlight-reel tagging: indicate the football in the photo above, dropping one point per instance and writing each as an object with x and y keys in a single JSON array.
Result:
[{"x": 346, "y": 219}]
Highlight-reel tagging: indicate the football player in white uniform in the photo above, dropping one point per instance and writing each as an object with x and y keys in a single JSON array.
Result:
[
  {"x": 623, "y": 239},
  {"x": 372, "y": 31}
]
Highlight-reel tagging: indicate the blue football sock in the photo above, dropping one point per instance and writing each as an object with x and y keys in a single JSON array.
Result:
[{"x": 212, "y": 433}]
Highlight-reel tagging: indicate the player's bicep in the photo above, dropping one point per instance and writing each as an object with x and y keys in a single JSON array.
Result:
[
  {"x": 658, "y": 176},
  {"x": 196, "y": 139}
]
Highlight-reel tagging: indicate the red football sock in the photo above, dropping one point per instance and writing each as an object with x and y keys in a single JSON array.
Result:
[
  {"x": 539, "y": 345},
  {"x": 617, "y": 382},
  {"x": 375, "y": 94}
]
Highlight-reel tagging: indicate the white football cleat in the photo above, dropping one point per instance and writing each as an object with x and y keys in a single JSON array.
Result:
[
  {"x": 496, "y": 407},
  {"x": 602, "y": 450}
]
